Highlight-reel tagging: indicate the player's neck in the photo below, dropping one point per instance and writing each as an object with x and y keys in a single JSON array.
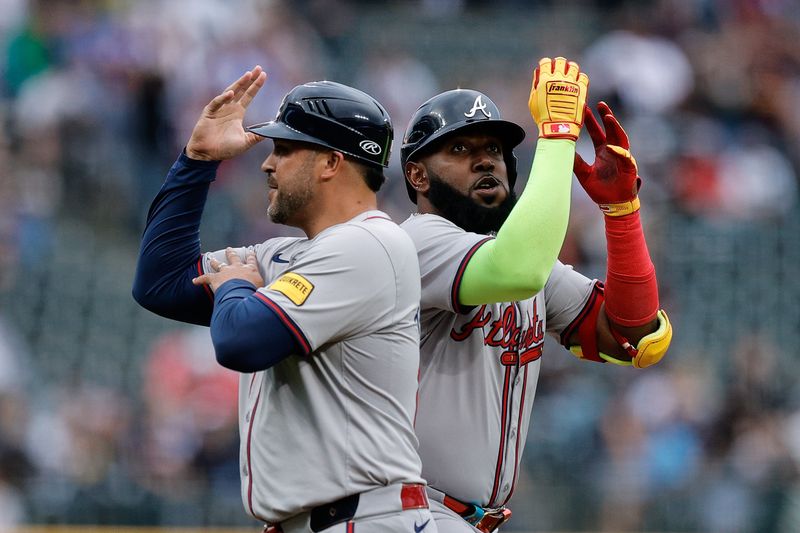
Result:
[
  {"x": 337, "y": 210},
  {"x": 425, "y": 207}
]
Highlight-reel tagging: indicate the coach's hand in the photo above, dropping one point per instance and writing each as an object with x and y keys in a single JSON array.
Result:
[
  {"x": 612, "y": 181},
  {"x": 234, "y": 268},
  {"x": 219, "y": 133},
  {"x": 558, "y": 96}
]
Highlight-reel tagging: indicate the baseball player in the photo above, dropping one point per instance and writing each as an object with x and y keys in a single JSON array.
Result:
[
  {"x": 323, "y": 329},
  {"x": 492, "y": 286}
]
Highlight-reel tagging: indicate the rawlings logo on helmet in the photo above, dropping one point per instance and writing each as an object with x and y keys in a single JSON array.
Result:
[
  {"x": 479, "y": 105},
  {"x": 371, "y": 147}
]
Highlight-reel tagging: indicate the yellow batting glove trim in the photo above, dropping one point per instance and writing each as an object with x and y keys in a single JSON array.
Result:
[
  {"x": 618, "y": 210},
  {"x": 610, "y": 359},
  {"x": 624, "y": 153},
  {"x": 578, "y": 352}
]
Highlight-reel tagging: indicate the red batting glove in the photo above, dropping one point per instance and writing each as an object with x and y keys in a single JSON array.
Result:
[{"x": 612, "y": 181}]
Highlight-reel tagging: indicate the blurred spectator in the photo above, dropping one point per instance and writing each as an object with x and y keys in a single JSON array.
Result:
[
  {"x": 742, "y": 179},
  {"x": 27, "y": 49},
  {"x": 77, "y": 439},
  {"x": 38, "y": 182},
  {"x": 9, "y": 224},
  {"x": 190, "y": 420},
  {"x": 15, "y": 465},
  {"x": 654, "y": 77},
  {"x": 13, "y": 15},
  {"x": 756, "y": 180}
]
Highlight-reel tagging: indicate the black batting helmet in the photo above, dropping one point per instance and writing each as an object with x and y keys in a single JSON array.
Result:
[
  {"x": 334, "y": 116},
  {"x": 456, "y": 111}
]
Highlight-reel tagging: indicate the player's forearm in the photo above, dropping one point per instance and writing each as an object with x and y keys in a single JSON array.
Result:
[
  {"x": 248, "y": 336},
  {"x": 631, "y": 287},
  {"x": 170, "y": 249},
  {"x": 516, "y": 264}
]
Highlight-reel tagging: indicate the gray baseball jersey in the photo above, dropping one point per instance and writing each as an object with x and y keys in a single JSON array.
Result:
[
  {"x": 479, "y": 366},
  {"x": 337, "y": 419}
]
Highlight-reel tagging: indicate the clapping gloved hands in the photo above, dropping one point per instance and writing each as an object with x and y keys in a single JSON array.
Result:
[
  {"x": 612, "y": 181},
  {"x": 557, "y": 103}
]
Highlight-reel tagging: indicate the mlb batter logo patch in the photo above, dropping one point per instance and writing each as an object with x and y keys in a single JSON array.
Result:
[{"x": 293, "y": 286}]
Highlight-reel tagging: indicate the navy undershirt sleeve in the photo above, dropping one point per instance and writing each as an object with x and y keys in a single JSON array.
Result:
[
  {"x": 169, "y": 256},
  {"x": 248, "y": 336}
]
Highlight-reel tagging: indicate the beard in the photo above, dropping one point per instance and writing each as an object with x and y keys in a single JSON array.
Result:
[
  {"x": 292, "y": 197},
  {"x": 463, "y": 211}
]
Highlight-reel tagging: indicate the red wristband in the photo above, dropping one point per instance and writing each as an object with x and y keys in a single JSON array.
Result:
[{"x": 631, "y": 287}]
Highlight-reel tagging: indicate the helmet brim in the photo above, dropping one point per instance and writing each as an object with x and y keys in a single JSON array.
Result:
[
  {"x": 278, "y": 130},
  {"x": 509, "y": 133}
]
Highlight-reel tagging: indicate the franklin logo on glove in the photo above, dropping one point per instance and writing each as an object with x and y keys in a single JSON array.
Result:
[{"x": 562, "y": 88}]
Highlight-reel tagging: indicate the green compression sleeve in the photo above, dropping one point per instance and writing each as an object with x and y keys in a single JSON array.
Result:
[{"x": 516, "y": 264}]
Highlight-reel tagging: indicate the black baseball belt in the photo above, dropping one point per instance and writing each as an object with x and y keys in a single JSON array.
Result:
[{"x": 411, "y": 496}]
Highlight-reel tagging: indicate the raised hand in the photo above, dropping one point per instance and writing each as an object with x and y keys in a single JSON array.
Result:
[
  {"x": 612, "y": 181},
  {"x": 558, "y": 96},
  {"x": 219, "y": 133},
  {"x": 234, "y": 268}
]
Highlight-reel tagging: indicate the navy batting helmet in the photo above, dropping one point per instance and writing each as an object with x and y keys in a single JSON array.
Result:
[
  {"x": 458, "y": 111},
  {"x": 334, "y": 116}
]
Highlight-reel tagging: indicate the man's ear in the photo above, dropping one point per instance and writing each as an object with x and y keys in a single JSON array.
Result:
[
  {"x": 332, "y": 163},
  {"x": 417, "y": 176}
]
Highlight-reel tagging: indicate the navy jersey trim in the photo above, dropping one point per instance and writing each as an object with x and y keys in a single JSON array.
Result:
[
  {"x": 457, "y": 307},
  {"x": 288, "y": 322}
]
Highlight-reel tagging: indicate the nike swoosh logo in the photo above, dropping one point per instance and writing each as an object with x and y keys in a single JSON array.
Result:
[
  {"x": 278, "y": 259},
  {"x": 417, "y": 528}
]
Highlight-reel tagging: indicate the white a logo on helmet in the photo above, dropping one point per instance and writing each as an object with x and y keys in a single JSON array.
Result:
[
  {"x": 478, "y": 105},
  {"x": 371, "y": 147}
]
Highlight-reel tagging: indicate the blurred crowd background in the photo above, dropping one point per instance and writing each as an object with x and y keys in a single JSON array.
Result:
[{"x": 110, "y": 415}]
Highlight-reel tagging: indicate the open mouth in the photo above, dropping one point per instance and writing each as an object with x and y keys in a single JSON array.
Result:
[
  {"x": 486, "y": 183},
  {"x": 487, "y": 188}
]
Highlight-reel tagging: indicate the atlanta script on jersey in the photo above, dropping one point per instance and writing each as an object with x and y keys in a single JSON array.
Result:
[{"x": 479, "y": 366}]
